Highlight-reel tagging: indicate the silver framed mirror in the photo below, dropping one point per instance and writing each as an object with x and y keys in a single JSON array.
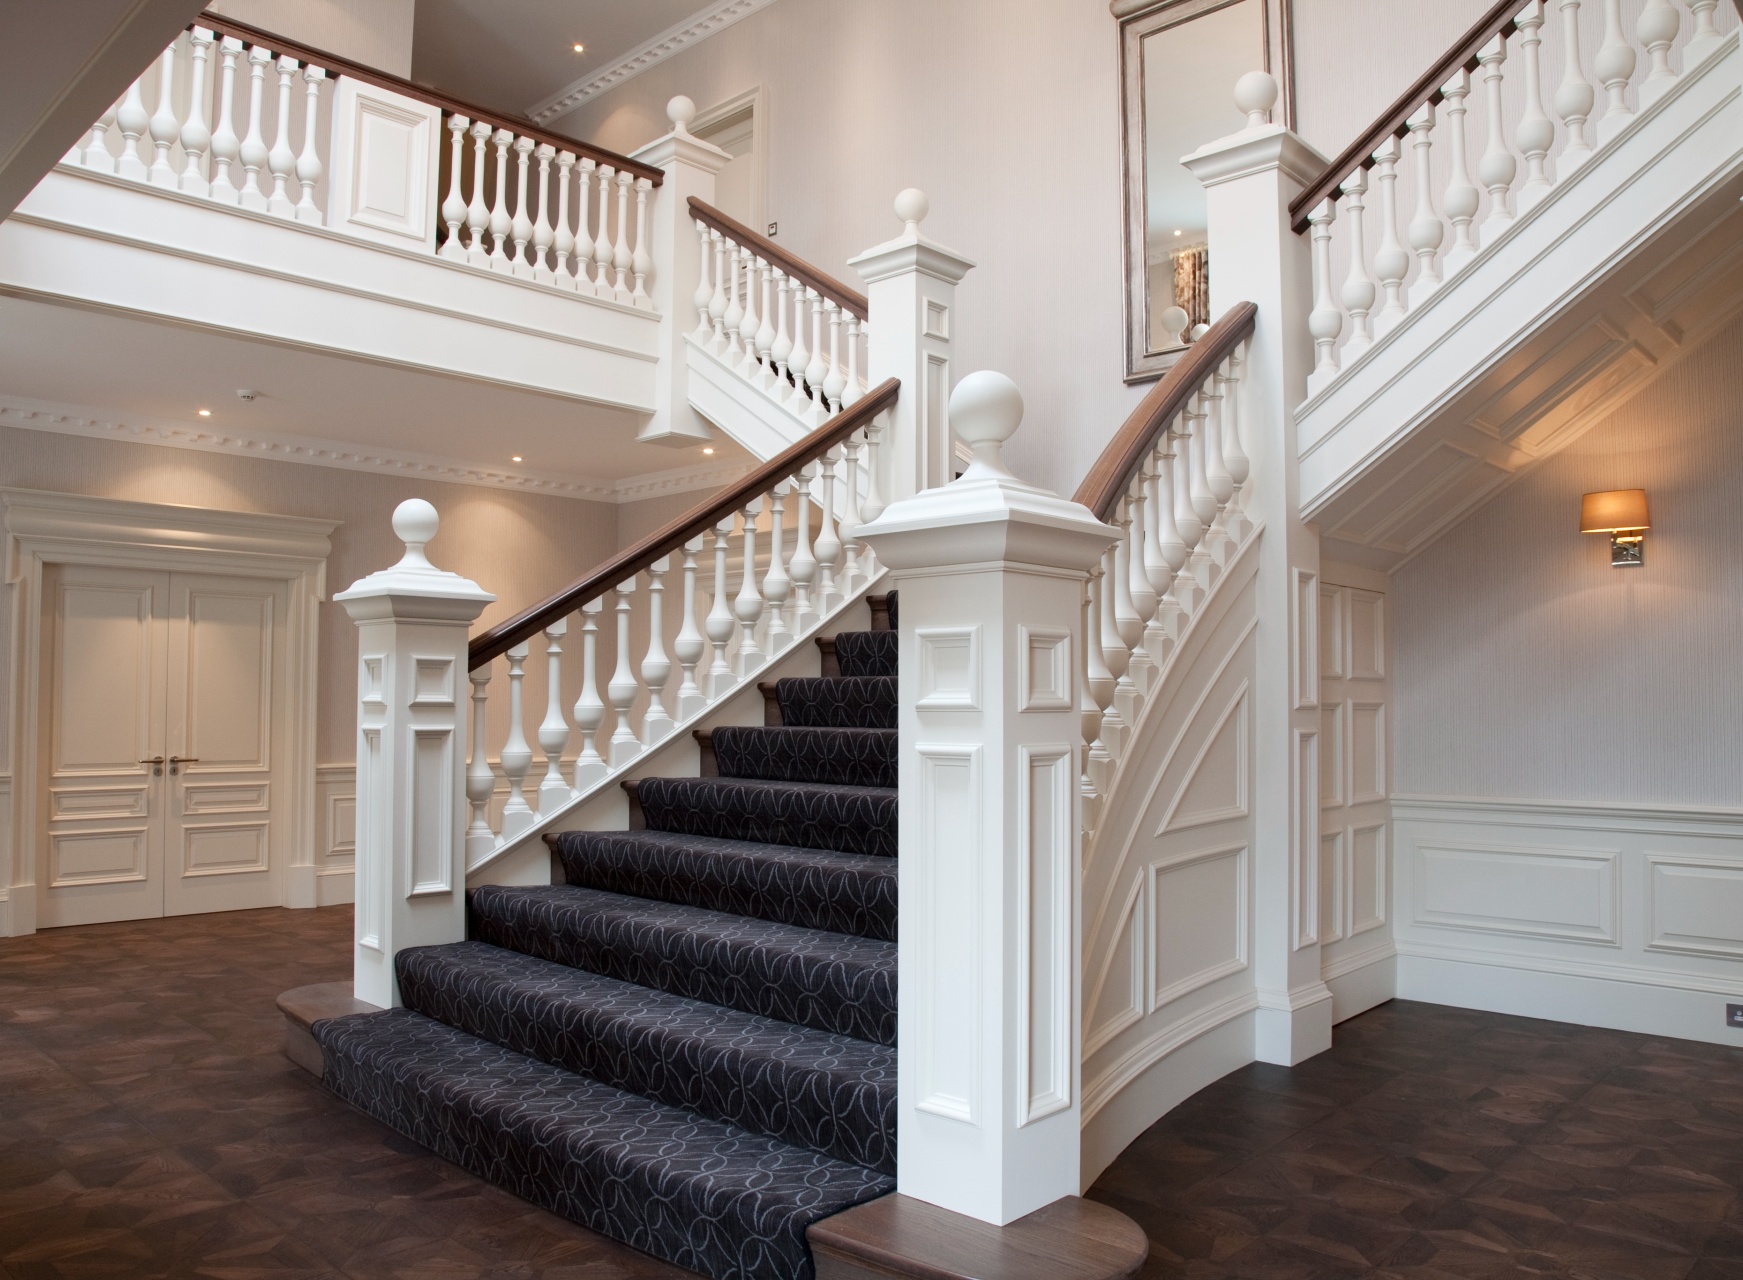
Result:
[{"x": 1179, "y": 60}]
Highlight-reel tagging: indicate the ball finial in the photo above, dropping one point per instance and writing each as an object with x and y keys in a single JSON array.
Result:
[
  {"x": 912, "y": 206},
  {"x": 415, "y": 523},
  {"x": 1255, "y": 95},
  {"x": 681, "y": 111},
  {"x": 985, "y": 411},
  {"x": 1174, "y": 324}
]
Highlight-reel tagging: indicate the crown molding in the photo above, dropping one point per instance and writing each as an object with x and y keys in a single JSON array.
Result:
[
  {"x": 694, "y": 29},
  {"x": 78, "y": 420}
]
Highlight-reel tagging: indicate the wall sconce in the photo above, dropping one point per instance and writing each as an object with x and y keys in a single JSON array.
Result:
[{"x": 1621, "y": 513}]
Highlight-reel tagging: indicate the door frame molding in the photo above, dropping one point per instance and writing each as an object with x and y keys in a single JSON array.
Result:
[{"x": 45, "y": 528}]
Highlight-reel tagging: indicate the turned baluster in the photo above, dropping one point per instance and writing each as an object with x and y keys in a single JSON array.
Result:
[
  {"x": 590, "y": 766},
  {"x": 657, "y": 667},
  {"x": 718, "y": 303},
  {"x": 828, "y": 544},
  {"x": 1235, "y": 459},
  {"x": 253, "y": 151},
  {"x": 1143, "y": 595},
  {"x": 1130, "y": 622},
  {"x": 196, "y": 137},
  {"x": 520, "y": 226},
  {"x": 835, "y": 381},
  {"x": 765, "y": 335},
  {"x": 281, "y": 159},
  {"x": 733, "y": 321},
  {"x": 1462, "y": 197},
  {"x": 1426, "y": 229},
  {"x": 873, "y": 504},
  {"x": 1114, "y": 653},
  {"x": 133, "y": 120},
  {"x": 1657, "y": 28},
  {"x": 480, "y": 778},
  {"x": 1706, "y": 37},
  {"x": 1217, "y": 481},
  {"x": 1614, "y": 67},
  {"x": 802, "y": 568},
  {"x": 1359, "y": 291},
  {"x": 781, "y": 346},
  {"x": 748, "y": 323},
  {"x": 544, "y": 234},
  {"x": 478, "y": 211},
  {"x": 562, "y": 235},
  {"x": 855, "y": 388},
  {"x": 799, "y": 358},
  {"x": 1170, "y": 543},
  {"x": 1535, "y": 133},
  {"x": 309, "y": 166},
  {"x": 1326, "y": 321},
  {"x": 1157, "y": 576},
  {"x": 554, "y": 729},
  {"x": 847, "y": 521},
  {"x": 623, "y": 686},
  {"x": 602, "y": 241},
  {"x": 1574, "y": 97},
  {"x": 226, "y": 146},
  {"x": 818, "y": 369},
  {"x": 1187, "y": 584},
  {"x": 1098, "y": 686},
  {"x": 517, "y": 756},
  {"x": 164, "y": 126},
  {"x": 454, "y": 207},
  {"x": 501, "y": 220},
  {"x": 720, "y": 624},
  {"x": 689, "y": 646},
  {"x": 96, "y": 154},
  {"x": 777, "y": 584},
  {"x": 641, "y": 260},
  {"x": 622, "y": 260},
  {"x": 704, "y": 286},
  {"x": 1391, "y": 262},
  {"x": 747, "y": 606},
  {"x": 1498, "y": 167},
  {"x": 583, "y": 227}
]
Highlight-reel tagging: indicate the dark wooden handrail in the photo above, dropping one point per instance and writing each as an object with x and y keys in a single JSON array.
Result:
[
  {"x": 1499, "y": 21},
  {"x": 435, "y": 97},
  {"x": 529, "y": 622},
  {"x": 796, "y": 268},
  {"x": 1106, "y": 482}
]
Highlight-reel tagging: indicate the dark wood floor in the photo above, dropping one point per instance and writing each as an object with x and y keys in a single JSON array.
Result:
[{"x": 149, "y": 1126}]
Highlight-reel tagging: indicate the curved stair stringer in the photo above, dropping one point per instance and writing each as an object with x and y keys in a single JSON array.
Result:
[{"x": 1168, "y": 993}]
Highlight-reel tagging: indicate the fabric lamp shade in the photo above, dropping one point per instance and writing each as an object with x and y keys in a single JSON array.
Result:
[{"x": 1616, "y": 511}]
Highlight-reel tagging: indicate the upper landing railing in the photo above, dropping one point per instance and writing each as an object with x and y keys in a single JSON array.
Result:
[{"x": 519, "y": 199}]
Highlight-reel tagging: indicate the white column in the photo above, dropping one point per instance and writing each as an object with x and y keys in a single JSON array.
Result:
[
  {"x": 911, "y": 291},
  {"x": 1250, "y": 177},
  {"x": 991, "y": 572},
  {"x": 412, "y": 622}
]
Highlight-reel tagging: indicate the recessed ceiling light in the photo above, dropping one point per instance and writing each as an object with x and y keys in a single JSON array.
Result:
[
  {"x": 1177, "y": 233},
  {"x": 205, "y": 413},
  {"x": 708, "y": 451},
  {"x": 580, "y": 48},
  {"x": 516, "y": 458}
]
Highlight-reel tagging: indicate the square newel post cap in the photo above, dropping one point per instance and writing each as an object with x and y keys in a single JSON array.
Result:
[
  {"x": 911, "y": 251},
  {"x": 680, "y": 146},
  {"x": 414, "y": 590},
  {"x": 1260, "y": 146},
  {"x": 988, "y": 515}
]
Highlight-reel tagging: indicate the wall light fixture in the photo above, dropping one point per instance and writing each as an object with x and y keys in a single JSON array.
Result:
[{"x": 1621, "y": 513}]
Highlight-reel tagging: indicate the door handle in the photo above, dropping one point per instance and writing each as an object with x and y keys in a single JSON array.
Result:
[
  {"x": 181, "y": 760},
  {"x": 156, "y": 763}
]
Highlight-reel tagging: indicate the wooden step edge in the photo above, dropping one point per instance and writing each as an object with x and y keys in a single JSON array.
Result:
[
  {"x": 632, "y": 787},
  {"x": 880, "y": 611},
  {"x": 709, "y": 765},
  {"x": 826, "y": 650},
  {"x": 898, "y": 1236},
  {"x": 771, "y": 704},
  {"x": 303, "y": 1007}
]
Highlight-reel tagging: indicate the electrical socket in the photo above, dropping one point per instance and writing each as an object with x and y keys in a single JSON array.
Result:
[
  {"x": 1734, "y": 1016},
  {"x": 774, "y": 229}
]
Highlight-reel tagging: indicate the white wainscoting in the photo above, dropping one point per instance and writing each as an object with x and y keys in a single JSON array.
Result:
[
  {"x": 1607, "y": 915},
  {"x": 335, "y": 857}
]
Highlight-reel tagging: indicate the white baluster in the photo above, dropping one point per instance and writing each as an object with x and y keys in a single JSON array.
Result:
[
  {"x": 1155, "y": 566},
  {"x": 253, "y": 151},
  {"x": 803, "y": 566},
  {"x": 732, "y": 322},
  {"x": 799, "y": 357},
  {"x": 641, "y": 259},
  {"x": 501, "y": 221},
  {"x": 828, "y": 549},
  {"x": 1462, "y": 197},
  {"x": 1359, "y": 291},
  {"x": 602, "y": 242},
  {"x": 855, "y": 387},
  {"x": 454, "y": 207},
  {"x": 281, "y": 159},
  {"x": 1098, "y": 687},
  {"x": 1114, "y": 653},
  {"x": 226, "y": 147},
  {"x": 309, "y": 167},
  {"x": 747, "y": 323},
  {"x": 1187, "y": 588},
  {"x": 819, "y": 367},
  {"x": 196, "y": 137},
  {"x": 1706, "y": 37},
  {"x": 704, "y": 286},
  {"x": 1235, "y": 459},
  {"x": 1657, "y": 28},
  {"x": 873, "y": 505},
  {"x": 624, "y": 687},
  {"x": 621, "y": 258},
  {"x": 1426, "y": 229},
  {"x": 777, "y": 584},
  {"x": 520, "y": 226},
  {"x": 165, "y": 128},
  {"x": 583, "y": 227},
  {"x": 543, "y": 233},
  {"x": 765, "y": 335},
  {"x": 1498, "y": 167},
  {"x": 590, "y": 766},
  {"x": 1216, "y": 476},
  {"x": 1536, "y": 132},
  {"x": 517, "y": 756},
  {"x": 1391, "y": 262},
  {"x": 747, "y": 606},
  {"x": 554, "y": 729},
  {"x": 657, "y": 667},
  {"x": 782, "y": 345},
  {"x": 477, "y": 210},
  {"x": 847, "y": 524},
  {"x": 689, "y": 647},
  {"x": 1574, "y": 97},
  {"x": 1614, "y": 67},
  {"x": 1144, "y": 597},
  {"x": 480, "y": 777},
  {"x": 96, "y": 153},
  {"x": 720, "y": 623},
  {"x": 835, "y": 381},
  {"x": 1170, "y": 543},
  {"x": 1326, "y": 321},
  {"x": 718, "y": 303},
  {"x": 1128, "y": 689},
  {"x": 563, "y": 240},
  {"x": 132, "y": 119}
]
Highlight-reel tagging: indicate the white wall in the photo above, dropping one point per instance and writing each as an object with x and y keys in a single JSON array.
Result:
[{"x": 377, "y": 33}]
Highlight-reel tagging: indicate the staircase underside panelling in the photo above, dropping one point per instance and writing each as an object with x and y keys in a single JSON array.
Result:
[{"x": 1592, "y": 295}]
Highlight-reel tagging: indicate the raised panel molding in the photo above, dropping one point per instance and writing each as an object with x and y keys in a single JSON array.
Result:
[
  {"x": 1115, "y": 998},
  {"x": 949, "y": 817},
  {"x": 1304, "y": 639},
  {"x": 1044, "y": 670},
  {"x": 949, "y": 662},
  {"x": 1046, "y": 784},
  {"x": 1198, "y": 920},
  {"x": 1215, "y": 786},
  {"x": 1304, "y": 851},
  {"x": 1538, "y": 891},
  {"x": 1694, "y": 905},
  {"x": 1367, "y": 863}
]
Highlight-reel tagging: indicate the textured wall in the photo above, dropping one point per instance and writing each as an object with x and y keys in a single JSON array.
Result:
[{"x": 1528, "y": 667}]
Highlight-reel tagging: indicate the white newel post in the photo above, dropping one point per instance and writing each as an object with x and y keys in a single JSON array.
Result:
[
  {"x": 383, "y": 166},
  {"x": 911, "y": 301},
  {"x": 992, "y": 573},
  {"x": 689, "y": 164},
  {"x": 412, "y": 623},
  {"x": 1250, "y": 177}
]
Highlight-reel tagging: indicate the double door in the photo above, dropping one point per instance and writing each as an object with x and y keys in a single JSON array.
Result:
[{"x": 163, "y": 733}]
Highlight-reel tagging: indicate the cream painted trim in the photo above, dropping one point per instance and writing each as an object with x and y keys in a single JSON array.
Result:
[
  {"x": 99, "y": 424},
  {"x": 43, "y": 528},
  {"x": 756, "y": 101},
  {"x": 675, "y": 39},
  {"x": 1654, "y": 819}
]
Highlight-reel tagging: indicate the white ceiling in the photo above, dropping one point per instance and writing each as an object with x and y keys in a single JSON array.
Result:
[{"x": 134, "y": 367}]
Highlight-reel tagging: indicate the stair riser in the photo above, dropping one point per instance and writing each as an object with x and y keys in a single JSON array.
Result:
[
  {"x": 862, "y": 822},
  {"x": 832, "y": 757},
  {"x": 859, "y": 703}
]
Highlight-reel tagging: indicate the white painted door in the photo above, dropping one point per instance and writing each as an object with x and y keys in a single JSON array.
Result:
[{"x": 166, "y": 743}]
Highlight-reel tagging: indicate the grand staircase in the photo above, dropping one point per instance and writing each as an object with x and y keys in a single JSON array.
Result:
[{"x": 688, "y": 1044}]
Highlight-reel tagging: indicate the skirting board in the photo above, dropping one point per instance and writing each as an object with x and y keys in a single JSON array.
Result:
[{"x": 1361, "y": 982}]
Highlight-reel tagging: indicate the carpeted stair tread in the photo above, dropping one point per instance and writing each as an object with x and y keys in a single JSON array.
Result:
[
  {"x": 829, "y": 1093},
  {"x": 811, "y": 888},
  {"x": 866, "y": 653},
  {"x": 832, "y": 757},
  {"x": 828, "y": 981},
  {"x": 838, "y": 702},
  {"x": 699, "y": 1193},
  {"x": 804, "y": 814}
]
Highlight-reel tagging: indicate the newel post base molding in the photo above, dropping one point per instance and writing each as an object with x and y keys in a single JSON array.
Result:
[
  {"x": 992, "y": 573},
  {"x": 412, "y": 623},
  {"x": 911, "y": 317},
  {"x": 1249, "y": 178}
]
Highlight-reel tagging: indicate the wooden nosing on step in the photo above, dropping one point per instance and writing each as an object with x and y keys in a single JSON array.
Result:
[
  {"x": 880, "y": 612},
  {"x": 771, "y": 704},
  {"x": 638, "y": 821},
  {"x": 303, "y": 1007},
  {"x": 826, "y": 651},
  {"x": 898, "y": 1236},
  {"x": 708, "y": 763}
]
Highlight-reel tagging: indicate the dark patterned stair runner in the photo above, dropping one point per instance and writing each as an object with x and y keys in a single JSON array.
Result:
[{"x": 687, "y": 1045}]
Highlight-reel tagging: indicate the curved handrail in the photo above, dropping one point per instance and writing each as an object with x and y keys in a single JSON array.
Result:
[
  {"x": 1132, "y": 443},
  {"x": 796, "y": 268},
  {"x": 529, "y": 622},
  {"x": 435, "y": 97},
  {"x": 1498, "y": 21}
]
